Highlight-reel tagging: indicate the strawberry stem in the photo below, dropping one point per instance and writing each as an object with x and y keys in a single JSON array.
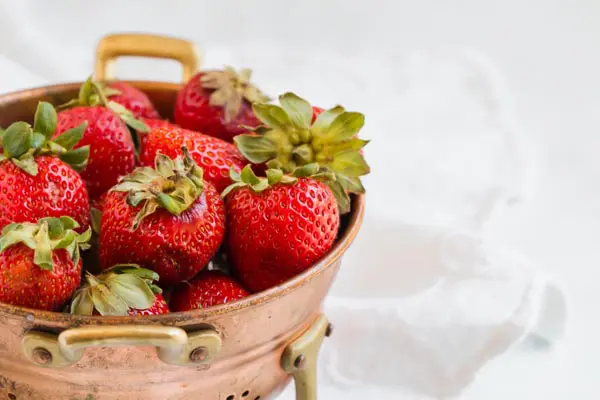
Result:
[
  {"x": 21, "y": 142},
  {"x": 172, "y": 184},
  {"x": 45, "y": 236}
]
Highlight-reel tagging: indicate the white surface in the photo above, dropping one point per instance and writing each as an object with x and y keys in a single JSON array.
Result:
[{"x": 546, "y": 50}]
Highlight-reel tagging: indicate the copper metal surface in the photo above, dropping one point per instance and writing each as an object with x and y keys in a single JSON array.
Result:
[{"x": 254, "y": 331}]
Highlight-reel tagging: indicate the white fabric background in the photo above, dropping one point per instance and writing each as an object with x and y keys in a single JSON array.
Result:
[{"x": 484, "y": 130}]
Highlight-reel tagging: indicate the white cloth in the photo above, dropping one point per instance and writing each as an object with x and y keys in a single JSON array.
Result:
[{"x": 425, "y": 297}]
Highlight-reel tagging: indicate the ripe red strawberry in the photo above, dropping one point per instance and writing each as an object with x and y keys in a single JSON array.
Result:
[
  {"x": 153, "y": 124},
  {"x": 112, "y": 151},
  {"x": 159, "y": 307},
  {"x": 217, "y": 103},
  {"x": 34, "y": 182},
  {"x": 278, "y": 226},
  {"x": 296, "y": 134},
  {"x": 132, "y": 99},
  {"x": 121, "y": 290},
  {"x": 158, "y": 123},
  {"x": 213, "y": 155},
  {"x": 167, "y": 219},
  {"x": 40, "y": 265},
  {"x": 209, "y": 288}
]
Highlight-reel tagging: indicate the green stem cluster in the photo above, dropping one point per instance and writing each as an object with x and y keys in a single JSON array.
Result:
[
  {"x": 289, "y": 139},
  {"x": 116, "y": 291},
  {"x": 21, "y": 142},
  {"x": 45, "y": 236},
  {"x": 94, "y": 93},
  {"x": 172, "y": 184}
]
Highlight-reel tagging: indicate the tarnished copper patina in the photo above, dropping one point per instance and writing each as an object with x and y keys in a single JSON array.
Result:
[{"x": 247, "y": 350}]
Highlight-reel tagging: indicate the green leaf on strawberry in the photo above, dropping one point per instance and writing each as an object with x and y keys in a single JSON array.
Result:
[
  {"x": 77, "y": 158},
  {"x": 17, "y": 139},
  {"x": 299, "y": 110},
  {"x": 45, "y": 236},
  {"x": 116, "y": 291},
  {"x": 127, "y": 116},
  {"x": 95, "y": 219},
  {"x": 132, "y": 289},
  {"x": 247, "y": 178},
  {"x": 172, "y": 184},
  {"x": 257, "y": 149},
  {"x": 71, "y": 137},
  {"x": 230, "y": 89},
  {"x": 21, "y": 142},
  {"x": 289, "y": 139},
  {"x": 86, "y": 92},
  {"x": 94, "y": 93},
  {"x": 45, "y": 120},
  {"x": 27, "y": 163}
]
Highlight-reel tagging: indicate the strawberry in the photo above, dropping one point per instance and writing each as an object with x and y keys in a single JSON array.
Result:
[
  {"x": 112, "y": 151},
  {"x": 280, "y": 225},
  {"x": 132, "y": 99},
  {"x": 165, "y": 218},
  {"x": 159, "y": 307},
  {"x": 152, "y": 124},
  {"x": 209, "y": 288},
  {"x": 217, "y": 103},
  {"x": 296, "y": 134},
  {"x": 36, "y": 180},
  {"x": 40, "y": 265},
  {"x": 213, "y": 155},
  {"x": 122, "y": 290}
]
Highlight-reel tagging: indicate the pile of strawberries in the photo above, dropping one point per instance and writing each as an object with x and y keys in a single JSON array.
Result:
[{"x": 238, "y": 195}]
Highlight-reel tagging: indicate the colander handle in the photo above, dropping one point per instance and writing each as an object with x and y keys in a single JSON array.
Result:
[
  {"x": 300, "y": 358},
  {"x": 114, "y": 46},
  {"x": 174, "y": 345}
]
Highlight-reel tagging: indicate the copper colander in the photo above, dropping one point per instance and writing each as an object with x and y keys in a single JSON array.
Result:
[{"x": 247, "y": 350}]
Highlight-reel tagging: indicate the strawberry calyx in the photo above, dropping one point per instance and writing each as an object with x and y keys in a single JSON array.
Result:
[
  {"x": 288, "y": 138},
  {"x": 230, "y": 89},
  {"x": 172, "y": 184},
  {"x": 95, "y": 219},
  {"x": 116, "y": 291},
  {"x": 21, "y": 142},
  {"x": 258, "y": 184},
  {"x": 45, "y": 236},
  {"x": 94, "y": 93}
]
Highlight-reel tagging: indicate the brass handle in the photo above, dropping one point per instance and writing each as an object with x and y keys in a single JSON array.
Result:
[
  {"x": 114, "y": 46},
  {"x": 174, "y": 345},
  {"x": 300, "y": 358}
]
